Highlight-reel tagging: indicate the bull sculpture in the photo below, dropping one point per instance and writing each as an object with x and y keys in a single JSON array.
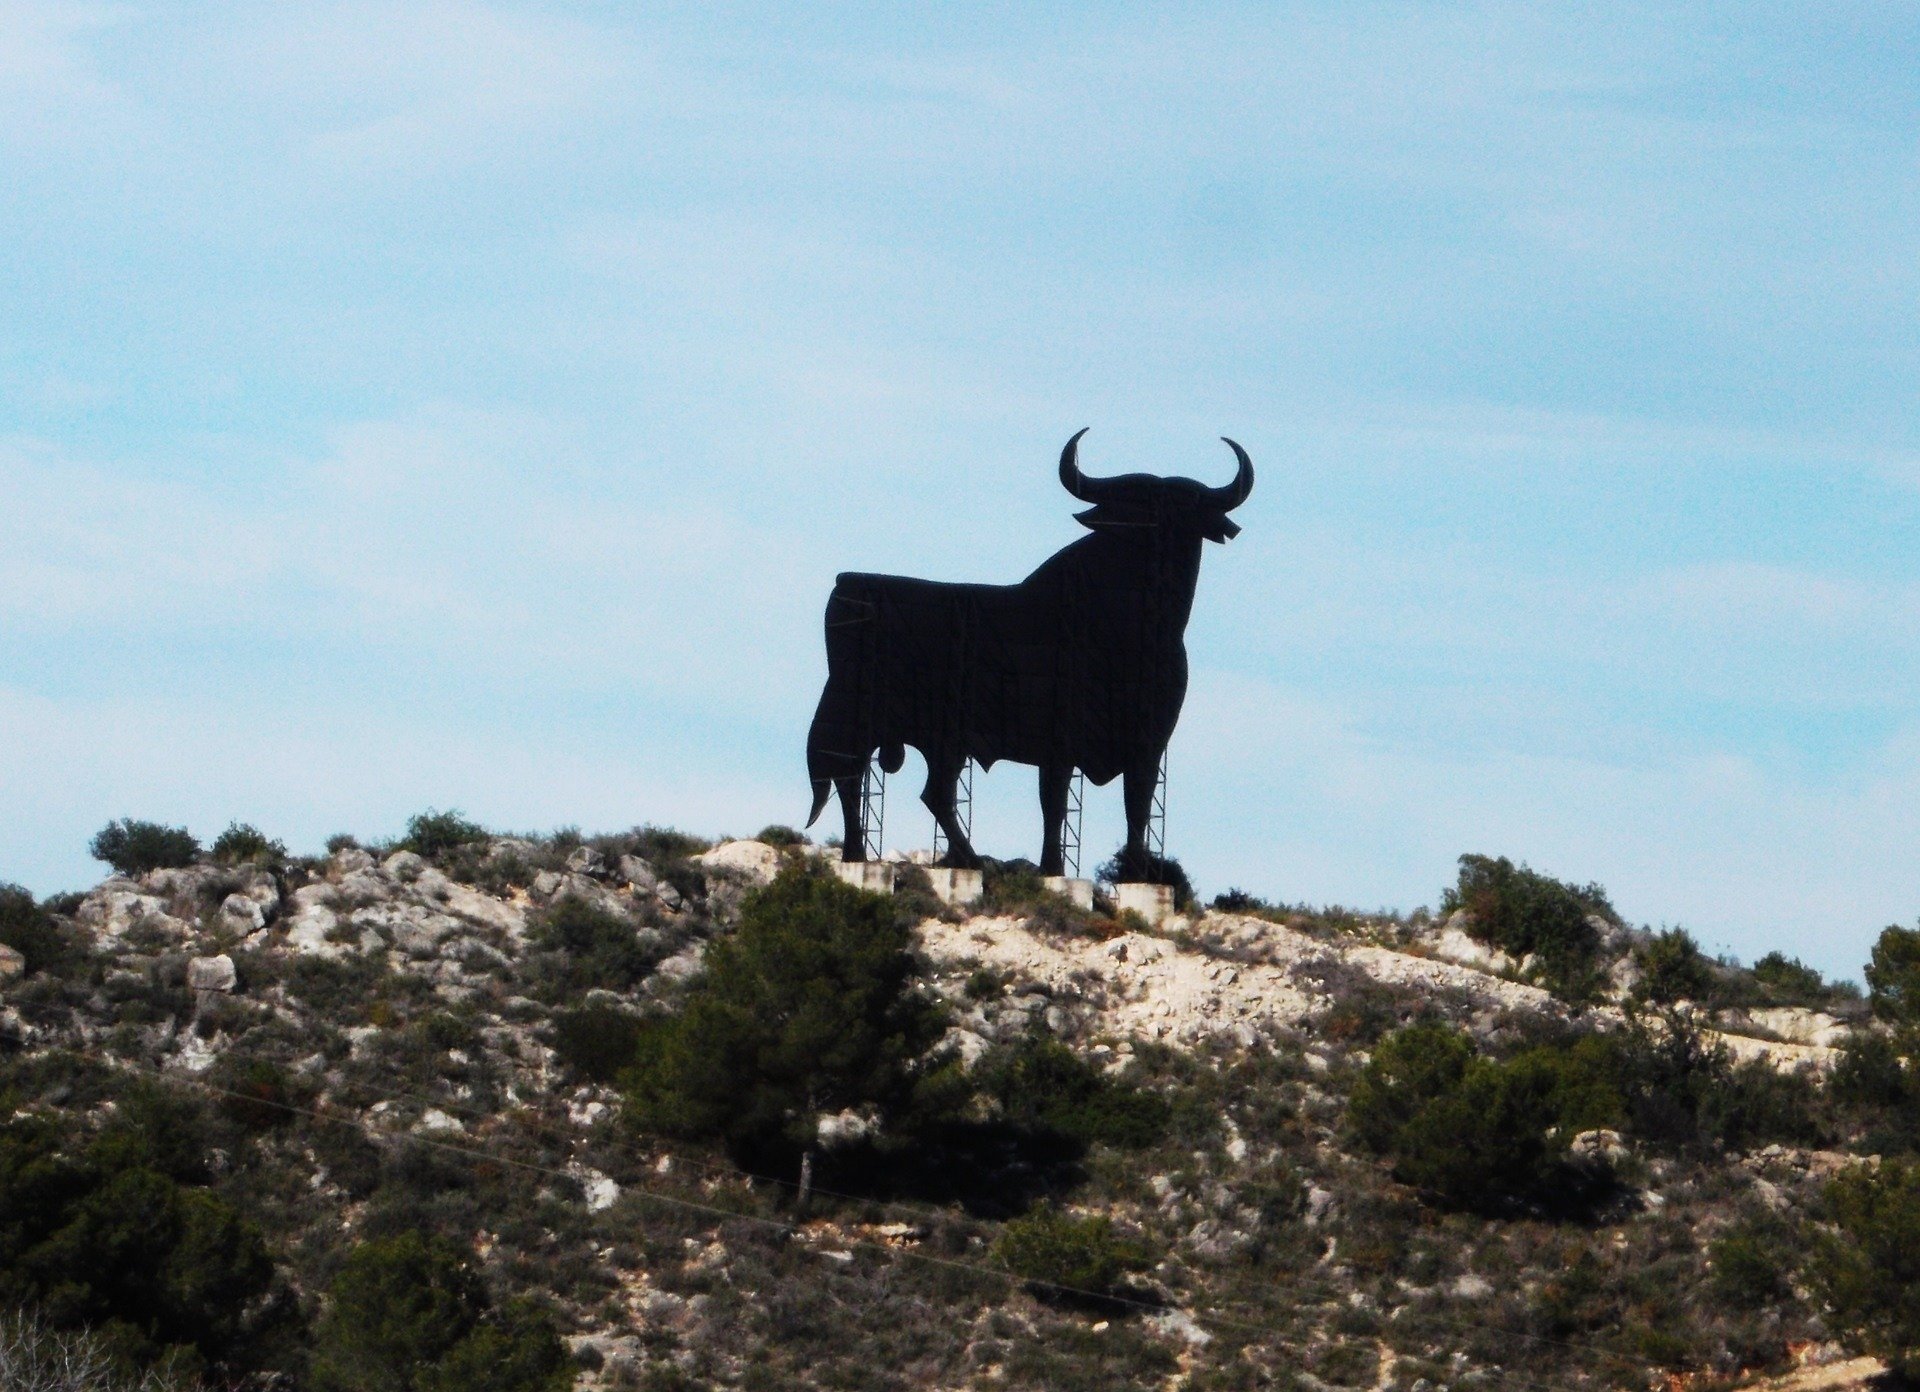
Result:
[{"x": 1082, "y": 665}]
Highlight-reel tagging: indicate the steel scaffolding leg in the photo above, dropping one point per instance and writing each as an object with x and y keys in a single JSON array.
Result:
[
  {"x": 873, "y": 807},
  {"x": 1157, "y": 818},
  {"x": 1070, "y": 828}
]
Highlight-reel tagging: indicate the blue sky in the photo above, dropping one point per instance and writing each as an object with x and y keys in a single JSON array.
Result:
[{"x": 469, "y": 405}]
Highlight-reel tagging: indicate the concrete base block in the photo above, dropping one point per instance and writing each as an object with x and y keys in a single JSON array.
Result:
[
  {"x": 1153, "y": 902},
  {"x": 1079, "y": 891},
  {"x": 874, "y": 876},
  {"x": 957, "y": 888}
]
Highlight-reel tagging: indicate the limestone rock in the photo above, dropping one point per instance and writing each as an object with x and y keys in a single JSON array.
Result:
[
  {"x": 681, "y": 965},
  {"x": 585, "y": 860},
  {"x": 753, "y": 861},
  {"x": 600, "y": 1191},
  {"x": 1454, "y": 944},
  {"x": 242, "y": 914},
  {"x": 349, "y": 859},
  {"x": 211, "y": 974},
  {"x": 1178, "y": 1324},
  {"x": 403, "y": 866},
  {"x": 843, "y": 1128},
  {"x": 634, "y": 871},
  {"x": 1601, "y": 1146},
  {"x": 116, "y": 906},
  {"x": 12, "y": 963},
  {"x": 312, "y": 920},
  {"x": 1798, "y": 1025}
]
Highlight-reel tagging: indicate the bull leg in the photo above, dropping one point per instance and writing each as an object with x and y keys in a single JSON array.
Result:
[
  {"x": 943, "y": 777},
  {"x": 1139, "y": 781},
  {"x": 853, "y": 846},
  {"x": 1054, "y": 781}
]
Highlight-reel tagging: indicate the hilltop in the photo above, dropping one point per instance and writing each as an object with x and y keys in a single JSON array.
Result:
[{"x": 1513, "y": 1142}]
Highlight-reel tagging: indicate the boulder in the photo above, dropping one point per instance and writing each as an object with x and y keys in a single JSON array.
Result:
[
  {"x": 12, "y": 963},
  {"x": 312, "y": 920},
  {"x": 681, "y": 965},
  {"x": 585, "y": 860},
  {"x": 116, "y": 906},
  {"x": 844, "y": 1128},
  {"x": 550, "y": 888},
  {"x": 350, "y": 859},
  {"x": 403, "y": 866},
  {"x": 634, "y": 871},
  {"x": 242, "y": 914},
  {"x": 211, "y": 974},
  {"x": 1598, "y": 1146},
  {"x": 485, "y": 910},
  {"x": 1454, "y": 944},
  {"x": 753, "y": 861}
]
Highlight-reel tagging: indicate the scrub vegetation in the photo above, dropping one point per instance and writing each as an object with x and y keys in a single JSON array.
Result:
[{"x": 465, "y": 1112}]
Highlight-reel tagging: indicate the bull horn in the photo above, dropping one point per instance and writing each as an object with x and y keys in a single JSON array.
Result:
[
  {"x": 1235, "y": 493},
  {"x": 1071, "y": 479}
]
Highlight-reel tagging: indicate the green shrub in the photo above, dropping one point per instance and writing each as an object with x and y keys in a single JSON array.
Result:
[
  {"x": 242, "y": 844},
  {"x": 596, "y": 1042},
  {"x": 601, "y": 950},
  {"x": 1477, "y": 1133},
  {"x": 1682, "y": 1091},
  {"x": 134, "y": 847},
  {"x": 1410, "y": 1068},
  {"x": 409, "y": 1313},
  {"x": 1065, "y": 1254},
  {"x": 1146, "y": 867},
  {"x": 1893, "y": 977},
  {"x": 807, "y": 1009},
  {"x": 1754, "y": 1104},
  {"x": 1042, "y": 1085},
  {"x": 432, "y": 833},
  {"x": 1751, "y": 1264},
  {"x": 1674, "y": 969},
  {"x": 342, "y": 841},
  {"x": 1868, "y": 1270},
  {"x": 779, "y": 835},
  {"x": 985, "y": 983},
  {"x": 258, "y": 1094},
  {"x": 115, "y": 1234},
  {"x": 30, "y": 930},
  {"x": 1009, "y": 885},
  {"x": 1879, "y": 1092},
  {"x": 1523, "y": 912},
  {"x": 1789, "y": 981}
]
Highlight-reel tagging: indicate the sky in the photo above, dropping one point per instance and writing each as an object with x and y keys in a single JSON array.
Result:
[{"x": 463, "y": 405}]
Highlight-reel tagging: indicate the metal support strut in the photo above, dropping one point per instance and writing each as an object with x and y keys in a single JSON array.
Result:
[
  {"x": 873, "y": 807},
  {"x": 1070, "y": 828},
  {"x": 1157, "y": 817}
]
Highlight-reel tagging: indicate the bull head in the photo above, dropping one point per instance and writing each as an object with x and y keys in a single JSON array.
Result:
[{"x": 1146, "y": 500}]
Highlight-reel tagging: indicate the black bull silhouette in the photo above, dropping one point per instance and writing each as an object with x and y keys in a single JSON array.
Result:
[{"x": 1081, "y": 665}]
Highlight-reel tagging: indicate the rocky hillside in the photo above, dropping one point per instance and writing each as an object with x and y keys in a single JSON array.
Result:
[{"x": 1254, "y": 1146}]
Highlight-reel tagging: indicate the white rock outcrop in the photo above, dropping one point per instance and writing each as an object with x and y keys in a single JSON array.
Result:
[{"x": 753, "y": 861}]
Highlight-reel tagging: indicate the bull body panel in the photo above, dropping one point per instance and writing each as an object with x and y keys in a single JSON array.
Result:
[{"x": 1081, "y": 665}]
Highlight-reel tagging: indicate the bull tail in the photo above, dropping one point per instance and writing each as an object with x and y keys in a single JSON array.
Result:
[{"x": 841, "y": 741}]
